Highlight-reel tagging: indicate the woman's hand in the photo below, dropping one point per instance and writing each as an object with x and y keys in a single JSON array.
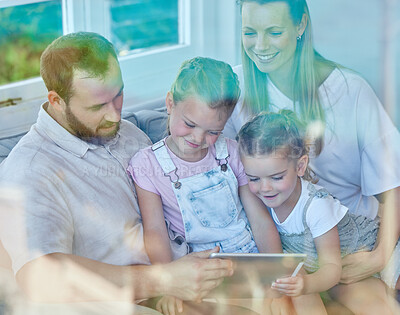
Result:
[
  {"x": 290, "y": 286},
  {"x": 361, "y": 265}
]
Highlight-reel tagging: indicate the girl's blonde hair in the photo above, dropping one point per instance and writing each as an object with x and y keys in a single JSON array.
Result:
[
  {"x": 213, "y": 81},
  {"x": 275, "y": 133},
  {"x": 305, "y": 77}
]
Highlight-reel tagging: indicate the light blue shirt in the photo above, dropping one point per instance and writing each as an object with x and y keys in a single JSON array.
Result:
[{"x": 77, "y": 197}]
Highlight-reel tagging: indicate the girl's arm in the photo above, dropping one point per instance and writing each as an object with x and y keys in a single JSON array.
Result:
[
  {"x": 156, "y": 238},
  {"x": 264, "y": 230},
  {"x": 328, "y": 274}
]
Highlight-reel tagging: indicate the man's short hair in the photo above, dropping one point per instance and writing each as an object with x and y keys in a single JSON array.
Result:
[{"x": 85, "y": 51}]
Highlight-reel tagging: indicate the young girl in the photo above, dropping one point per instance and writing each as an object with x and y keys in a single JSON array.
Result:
[
  {"x": 309, "y": 220},
  {"x": 188, "y": 184}
]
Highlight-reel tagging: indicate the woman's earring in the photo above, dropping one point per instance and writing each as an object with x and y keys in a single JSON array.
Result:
[{"x": 298, "y": 37}]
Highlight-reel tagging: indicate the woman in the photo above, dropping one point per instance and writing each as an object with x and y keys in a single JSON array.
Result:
[{"x": 356, "y": 146}]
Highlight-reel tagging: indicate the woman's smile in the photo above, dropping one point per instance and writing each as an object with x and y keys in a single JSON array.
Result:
[{"x": 266, "y": 57}]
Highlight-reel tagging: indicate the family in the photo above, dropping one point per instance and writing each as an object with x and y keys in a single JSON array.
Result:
[{"x": 288, "y": 152}]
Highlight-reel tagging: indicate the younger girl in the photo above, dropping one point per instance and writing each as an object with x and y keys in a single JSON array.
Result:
[
  {"x": 188, "y": 184},
  {"x": 308, "y": 218}
]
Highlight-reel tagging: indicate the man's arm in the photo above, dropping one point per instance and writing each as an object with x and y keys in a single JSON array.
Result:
[
  {"x": 68, "y": 278},
  {"x": 362, "y": 265}
]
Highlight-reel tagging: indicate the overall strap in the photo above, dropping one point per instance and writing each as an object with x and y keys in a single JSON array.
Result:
[
  {"x": 221, "y": 152},
  {"x": 221, "y": 148},
  {"x": 320, "y": 193},
  {"x": 165, "y": 161},
  {"x": 163, "y": 157}
]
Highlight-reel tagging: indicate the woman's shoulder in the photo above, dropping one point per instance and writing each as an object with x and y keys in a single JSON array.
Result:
[
  {"x": 323, "y": 71},
  {"x": 342, "y": 86},
  {"x": 328, "y": 71},
  {"x": 333, "y": 74}
]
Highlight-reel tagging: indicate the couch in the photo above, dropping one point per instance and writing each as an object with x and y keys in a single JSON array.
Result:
[{"x": 152, "y": 121}]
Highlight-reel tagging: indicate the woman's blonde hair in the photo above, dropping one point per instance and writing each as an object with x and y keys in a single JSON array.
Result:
[{"x": 305, "y": 78}]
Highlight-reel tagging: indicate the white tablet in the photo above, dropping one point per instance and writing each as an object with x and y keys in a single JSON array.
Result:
[{"x": 253, "y": 273}]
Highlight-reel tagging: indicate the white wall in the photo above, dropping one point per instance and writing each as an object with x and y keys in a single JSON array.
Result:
[{"x": 352, "y": 33}]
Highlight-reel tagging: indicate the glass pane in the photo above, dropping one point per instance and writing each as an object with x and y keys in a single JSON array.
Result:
[
  {"x": 141, "y": 24},
  {"x": 25, "y": 31}
]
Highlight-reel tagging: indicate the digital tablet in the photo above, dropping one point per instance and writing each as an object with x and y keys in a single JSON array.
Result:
[{"x": 253, "y": 273}]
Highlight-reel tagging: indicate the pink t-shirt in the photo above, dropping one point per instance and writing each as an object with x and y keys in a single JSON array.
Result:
[{"x": 148, "y": 174}]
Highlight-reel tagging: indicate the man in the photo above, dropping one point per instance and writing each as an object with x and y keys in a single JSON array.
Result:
[{"x": 78, "y": 236}]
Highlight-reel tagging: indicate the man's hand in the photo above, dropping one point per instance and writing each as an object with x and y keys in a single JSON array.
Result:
[
  {"x": 361, "y": 265},
  {"x": 193, "y": 276}
]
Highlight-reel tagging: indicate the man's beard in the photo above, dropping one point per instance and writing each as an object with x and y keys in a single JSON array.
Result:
[{"x": 87, "y": 135}]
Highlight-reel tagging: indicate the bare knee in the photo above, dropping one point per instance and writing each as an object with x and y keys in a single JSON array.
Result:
[
  {"x": 366, "y": 297},
  {"x": 372, "y": 308},
  {"x": 309, "y": 304}
]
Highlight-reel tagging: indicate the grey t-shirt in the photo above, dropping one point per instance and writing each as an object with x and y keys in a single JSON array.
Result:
[{"x": 77, "y": 198}]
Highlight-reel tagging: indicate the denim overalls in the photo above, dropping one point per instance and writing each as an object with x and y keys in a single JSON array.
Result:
[{"x": 209, "y": 203}]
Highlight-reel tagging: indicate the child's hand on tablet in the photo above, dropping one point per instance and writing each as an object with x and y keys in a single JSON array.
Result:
[
  {"x": 169, "y": 305},
  {"x": 290, "y": 286}
]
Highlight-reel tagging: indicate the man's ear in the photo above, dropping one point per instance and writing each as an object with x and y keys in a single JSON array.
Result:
[
  {"x": 302, "y": 164},
  {"x": 169, "y": 102},
  {"x": 56, "y": 101}
]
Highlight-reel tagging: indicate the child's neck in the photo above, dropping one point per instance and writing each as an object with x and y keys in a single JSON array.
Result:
[
  {"x": 284, "y": 210},
  {"x": 196, "y": 157}
]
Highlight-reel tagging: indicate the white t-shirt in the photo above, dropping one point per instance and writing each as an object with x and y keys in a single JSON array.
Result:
[
  {"x": 361, "y": 152},
  {"x": 322, "y": 214}
]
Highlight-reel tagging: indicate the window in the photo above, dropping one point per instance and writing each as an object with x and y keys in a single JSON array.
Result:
[
  {"x": 152, "y": 37},
  {"x": 137, "y": 25},
  {"x": 25, "y": 31}
]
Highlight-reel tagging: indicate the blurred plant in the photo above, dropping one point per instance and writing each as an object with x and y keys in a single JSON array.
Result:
[
  {"x": 144, "y": 24},
  {"x": 20, "y": 59},
  {"x": 25, "y": 31}
]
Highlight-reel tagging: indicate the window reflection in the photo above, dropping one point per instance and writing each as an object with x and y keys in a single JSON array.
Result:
[
  {"x": 143, "y": 24},
  {"x": 25, "y": 31}
]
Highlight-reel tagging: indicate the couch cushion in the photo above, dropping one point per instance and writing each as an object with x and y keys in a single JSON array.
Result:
[
  {"x": 7, "y": 143},
  {"x": 152, "y": 122},
  {"x": 131, "y": 117}
]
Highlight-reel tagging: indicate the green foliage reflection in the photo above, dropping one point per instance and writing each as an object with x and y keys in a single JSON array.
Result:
[{"x": 25, "y": 31}]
